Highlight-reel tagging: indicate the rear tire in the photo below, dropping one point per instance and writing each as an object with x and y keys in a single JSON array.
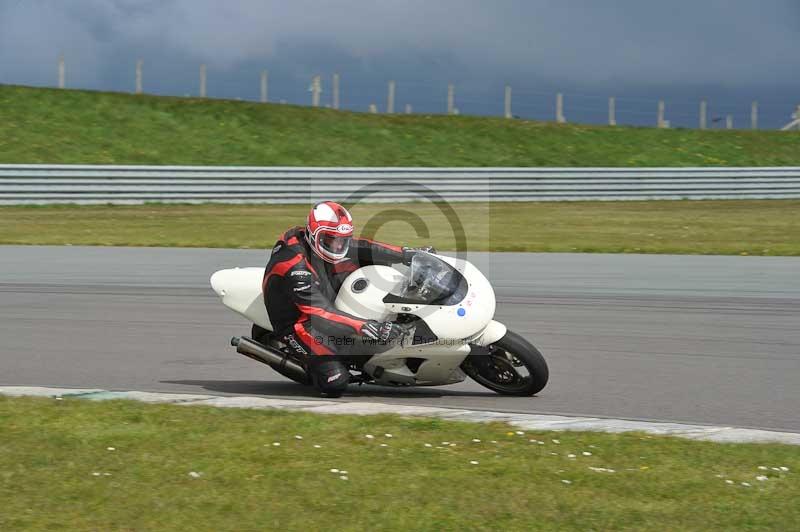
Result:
[
  {"x": 494, "y": 366},
  {"x": 263, "y": 336}
]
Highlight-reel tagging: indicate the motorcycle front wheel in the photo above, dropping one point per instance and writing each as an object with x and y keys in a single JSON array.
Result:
[{"x": 510, "y": 366}]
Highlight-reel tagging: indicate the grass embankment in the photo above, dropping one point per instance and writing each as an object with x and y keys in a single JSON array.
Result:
[
  {"x": 686, "y": 227},
  {"x": 67, "y": 126},
  {"x": 80, "y": 465}
]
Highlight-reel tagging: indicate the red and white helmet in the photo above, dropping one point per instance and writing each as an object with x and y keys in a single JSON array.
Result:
[{"x": 328, "y": 230}]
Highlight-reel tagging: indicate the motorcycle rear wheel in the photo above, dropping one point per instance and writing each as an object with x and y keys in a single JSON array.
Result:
[{"x": 494, "y": 366}]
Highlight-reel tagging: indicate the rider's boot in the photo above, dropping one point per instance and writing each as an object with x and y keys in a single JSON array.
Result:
[{"x": 329, "y": 375}]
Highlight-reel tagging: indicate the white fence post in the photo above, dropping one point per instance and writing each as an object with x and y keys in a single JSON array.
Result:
[
  {"x": 612, "y": 111},
  {"x": 729, "y": 122},
  {"x": 62, "y": 72},
  {"x": 660, "y": 119},
  {"x": 560, "y": 108},
  {"x": 316, "y": 89},
  {"x": 408, "y": 109},
  {"x": 264, "y": 86},
  {"x": 203, "y": 80},
  {"x": 139, "y": 64},
  {"x": 336, "y": 91},
  {"x": 451, "y": 98},
  {"x": 390, "y": 98},
  {"x": 507, "y": 106},
  {"x": 703, "y": 114},
  {"x": 754, "y": 115}
]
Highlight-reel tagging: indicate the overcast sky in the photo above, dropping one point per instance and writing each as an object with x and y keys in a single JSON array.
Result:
[{"x": 729, "y": 51}]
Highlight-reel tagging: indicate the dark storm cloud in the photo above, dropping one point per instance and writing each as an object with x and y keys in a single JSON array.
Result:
[{"x": 589, "y": 44}]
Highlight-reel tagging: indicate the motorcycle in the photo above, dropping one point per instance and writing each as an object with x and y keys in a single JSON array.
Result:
[{"x": 444, "y": 305}]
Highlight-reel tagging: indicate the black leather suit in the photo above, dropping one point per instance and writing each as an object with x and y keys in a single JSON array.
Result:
[{"x": 299, "y": 289}]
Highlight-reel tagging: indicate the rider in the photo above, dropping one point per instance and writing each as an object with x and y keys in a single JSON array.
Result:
[{"x": 301, "y": 280}]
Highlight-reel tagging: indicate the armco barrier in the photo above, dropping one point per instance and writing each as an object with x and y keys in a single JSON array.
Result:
[{"x": 32, "y": 184}]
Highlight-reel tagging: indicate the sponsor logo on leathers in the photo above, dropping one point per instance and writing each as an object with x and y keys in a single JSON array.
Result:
[{"x": 295, "y": 345}]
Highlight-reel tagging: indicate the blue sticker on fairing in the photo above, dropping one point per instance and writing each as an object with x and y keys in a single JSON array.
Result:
[{"x": 461, "y": 312}]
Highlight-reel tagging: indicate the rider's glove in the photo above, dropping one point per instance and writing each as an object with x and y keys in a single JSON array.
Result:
[
  {"x": 382, "y": 331},
  {"x": 408, "y": 253}
]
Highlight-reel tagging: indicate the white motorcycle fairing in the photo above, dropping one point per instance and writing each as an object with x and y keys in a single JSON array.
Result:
[
  {"x": 433, "y": 353},
  {"x": 466, "y": 317},
  {"x": 240, "y": 290}
]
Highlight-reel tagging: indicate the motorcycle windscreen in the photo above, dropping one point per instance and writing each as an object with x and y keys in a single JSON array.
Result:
[{"x": 430, "y": 281}]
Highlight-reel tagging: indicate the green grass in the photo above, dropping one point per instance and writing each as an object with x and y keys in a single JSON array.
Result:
[
  {"x": 56, "y": 473},
  {"x": 686, "y": 227},
  {"x": 67, "y": 126},
  {"x": 56, "y": 126}
]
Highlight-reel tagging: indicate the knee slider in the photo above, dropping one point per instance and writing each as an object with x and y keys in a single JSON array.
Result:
[{"x": 330, "y": 375}]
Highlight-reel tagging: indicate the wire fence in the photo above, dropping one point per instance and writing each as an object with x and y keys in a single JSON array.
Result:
[{"x": 512, "y": 102}]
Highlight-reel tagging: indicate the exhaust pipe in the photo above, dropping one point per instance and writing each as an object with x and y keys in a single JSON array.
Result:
[{"x": 267, "y": 355}]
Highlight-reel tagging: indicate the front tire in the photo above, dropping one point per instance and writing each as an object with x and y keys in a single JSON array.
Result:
[{"x": 499, "y": 366}]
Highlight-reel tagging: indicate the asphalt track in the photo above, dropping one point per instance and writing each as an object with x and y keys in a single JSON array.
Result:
[{"x": 691, "y": 339}]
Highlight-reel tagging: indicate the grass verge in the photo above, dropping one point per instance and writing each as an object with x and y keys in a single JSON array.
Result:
[
  {"x": 686, "y": 227},
  {"x": 78, "y": 465},
  {"x": 81, "y": 127}
]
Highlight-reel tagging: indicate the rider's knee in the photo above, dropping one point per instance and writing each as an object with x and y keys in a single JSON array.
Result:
[{"x": 330, "y": 375}]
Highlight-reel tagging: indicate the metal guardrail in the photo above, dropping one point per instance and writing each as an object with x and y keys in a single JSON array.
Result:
[{"x": 44, "y": 184}]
